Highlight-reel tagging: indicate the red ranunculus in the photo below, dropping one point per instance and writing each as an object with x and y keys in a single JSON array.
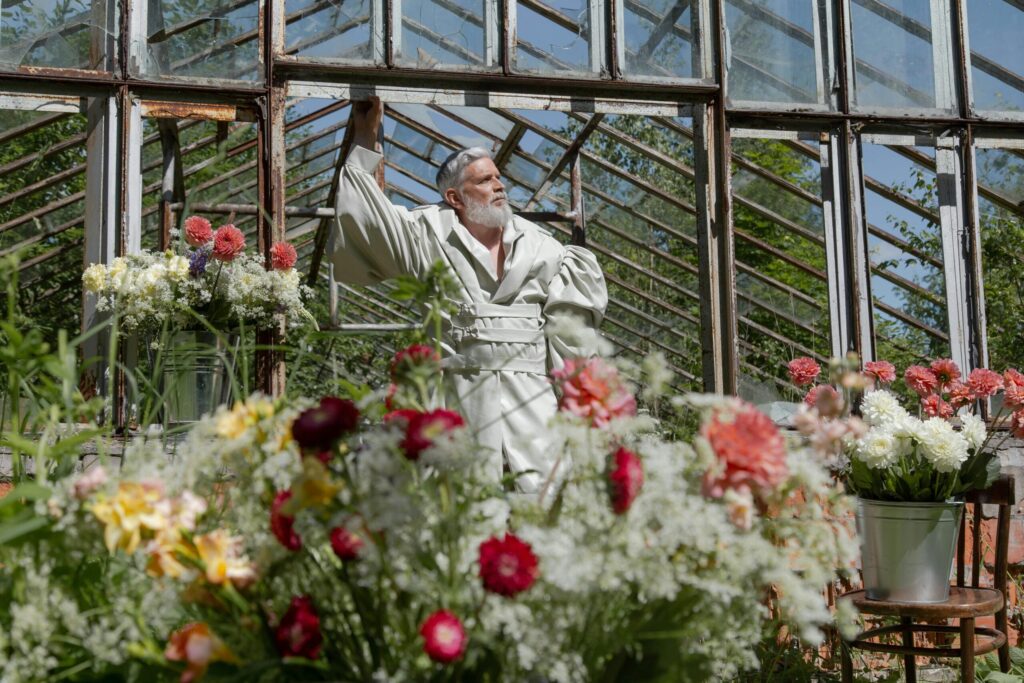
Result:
[
  {"x": 317, "y": 429},
  {"x": 228, "y": 242},
  {"x": 281, "y": 525},
  {"x": 882, "y": 370},
  {"x": 921, "y": 379},
  {"x": 750, "y": 450},
  {"x": 984, "y": 382},
  {"x": 803, "y": 370},
  {"x": 507, "y": 565},
  {"x": 412, "y": 358},
  {"x": 444, "y": 638},
  {"x": 298, "y": 633},
  {"x": 282, "y": 256},
  {"x": 198, "y": 231},
  {"x": 626, "y": 478},
  {"x": 423, "y": 429},
  {"x": 345, "y": 543}
]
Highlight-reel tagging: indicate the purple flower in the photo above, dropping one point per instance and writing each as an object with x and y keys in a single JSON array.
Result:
[{"x": 197, "y": 262}]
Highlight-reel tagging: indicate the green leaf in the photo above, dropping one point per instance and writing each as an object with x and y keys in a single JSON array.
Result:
[
  {"x": 27, "y": 491},
  {"x": 22, "y": 525}
]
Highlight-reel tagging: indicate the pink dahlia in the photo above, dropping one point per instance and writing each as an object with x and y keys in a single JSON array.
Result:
[
  {"x": 423, "y": 429},
  {"x": 960, "y": 395},
  {"x": 1013, "y": 398},
  {"x": 282, "y": 525},
  {"x": 882, "y": 370},
  {"x": 228, "y": 242},
  {"x": 507, "y": 565},
  {"x": 345, "y": 543},
  {"x": 444, "y": 638},
  {"x": 984, "y": 382},
  {"x": 803, "y": 370},
  {"x": 751, "y": 451},
  {"x": 946, "y": 371},
  {"x": 921, "y": 379},
  {"x": 933, "y": 406},
  {"x": 1017, "y": 424},
  {"x": 1013, "y": 377},
  {"x": 592, "y": 389},
  {"x": 198, "y": 231},
  {"x": 298, "y": 634},
  {"x": 282, "y": 256},
  {"x": 626, "y": 478}
]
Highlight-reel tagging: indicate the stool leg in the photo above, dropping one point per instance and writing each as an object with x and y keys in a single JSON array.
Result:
[
  {"x": 1004, "y": 651},
  {"x": 909, "y": 663},
  {"x": 967, "y": 649},
  {"x": 847, "y": 661}
]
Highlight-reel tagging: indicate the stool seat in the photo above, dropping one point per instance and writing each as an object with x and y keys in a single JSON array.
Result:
[{"x": 963, "y": 603}]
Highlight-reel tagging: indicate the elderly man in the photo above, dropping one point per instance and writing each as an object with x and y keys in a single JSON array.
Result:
[{"x": 515, "y": 282}]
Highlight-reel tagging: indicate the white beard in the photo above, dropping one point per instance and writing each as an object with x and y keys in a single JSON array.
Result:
[{"x": 488, "y": 215}]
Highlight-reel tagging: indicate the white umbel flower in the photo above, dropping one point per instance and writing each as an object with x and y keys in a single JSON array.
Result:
[
  {"x": 972, "y": 428},
  {"x": 880, "y": 448},
  {"x": 941, "y": 445},
  {"x": 882, "y": 409}
]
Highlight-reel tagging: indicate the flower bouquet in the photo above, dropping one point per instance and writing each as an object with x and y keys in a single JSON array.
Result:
[
  {"x": 909, "y": 469},
  {"x": 332, "y": 540},
  {"x": 213, "y": 277}
]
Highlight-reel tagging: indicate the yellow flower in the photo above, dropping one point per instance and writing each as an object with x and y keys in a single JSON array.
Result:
[
  {"x": 220, "y": 554},
  {"x": 233, "y": 423},
  {"x": 137, "y": 507},
  {"x": 314, "y": 486}
]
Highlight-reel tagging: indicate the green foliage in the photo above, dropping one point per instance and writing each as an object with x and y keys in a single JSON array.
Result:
[{"x": 987, "y": 668}]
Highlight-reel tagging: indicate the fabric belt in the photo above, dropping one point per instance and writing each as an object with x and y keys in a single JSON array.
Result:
[{"x": 496, "y": 347}]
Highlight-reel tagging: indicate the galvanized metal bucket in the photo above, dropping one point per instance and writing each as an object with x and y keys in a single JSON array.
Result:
[
  {"x": 907, "y": 549},
  {"x": 195, "y": 379}
]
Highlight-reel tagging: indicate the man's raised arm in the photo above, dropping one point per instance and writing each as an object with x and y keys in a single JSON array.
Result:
[{"x": 373, "y": 239}]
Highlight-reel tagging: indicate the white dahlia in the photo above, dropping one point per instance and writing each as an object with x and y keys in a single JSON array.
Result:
[
  {"x": 972, "y": 428},
  {"x": 880, "y": 448},
  {"x": 881, "y": 409},
  {"x": 941, "y": 445}
]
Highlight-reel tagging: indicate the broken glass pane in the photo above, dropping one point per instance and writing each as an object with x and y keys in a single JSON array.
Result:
[
  {"x": 772, "y": 51},
  {"x": 1000, "y": 175},
  {"x": 782, "y": 294},
  {"x": 659, "y": 39},
  {"x": 216, "y": 39},
  {"x": 70, "y": 34},
  {"x": 42, "y": 210},
  {"x": 905, "y": 253},
  {"x": 893, "y": 52},
  {"x": 217, "y": 166},
  {"x": 329, "y": 30},
  {"x": 997, "y": 54},
  {"x": 444, "y": 33},
  {"x": 554, "y": 36}
]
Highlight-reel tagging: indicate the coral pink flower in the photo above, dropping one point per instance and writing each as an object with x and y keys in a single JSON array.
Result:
[
  {"x": 1017, "y": 424},
  {"x": 345, "y": 543},
  {"x": 825, "y": 399},
  {"x": 444, "y": 638},
  {"x": 934, "y": 406},
  {"x": 298, "y": 633},
  {"x": 418, "y": 357},
  {"x": 751, "y": 451},
  {"x": 282, "y": 525},
  {"x": 423, "y": 429},
  {"x": 984, "y": 382},
  {"x": 318, "y": 429},
  {"x": 946, "y": 371},
  {"x": 592, "y": 389},
  {"x": 1013, "y": 398},
  {"x": 626, "y": 478},
  {"x": 803, "y": 370},
  {"x": 228, "y": 242},
  {"x": 507, "y": 565},
  {"x": 960, "y": 395},
  {"x": 882, "y": 370},
  {"x": 197, "y": 646},
  {"x": 921, "y": 379},
  {"x": 198, "y": 231},
  {"x": 1013, "y": 377},
  {"x": 282, "y": 256}
]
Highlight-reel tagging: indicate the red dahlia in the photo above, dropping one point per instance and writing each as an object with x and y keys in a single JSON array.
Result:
[
  {"x": 626, "y": 478},
  {"x": 298, "y": 633},
  {"x": 423, "y": 429},
  {"x": 317, "y": 429},
  {"x": 282, "y": 525},
  {"x": 507, "y": 565},
  {"x": 444, "y": 638}
]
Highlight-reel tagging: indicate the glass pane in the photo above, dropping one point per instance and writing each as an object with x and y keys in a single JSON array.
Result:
[
  {"x": 905, "y": 249},
  {"x": 659, "y": 38},
  {"x": 1001, "y": 211},
  {"x": 70, "y": 34},
  {"x": 553, "y": 36},
  {"x": 443, "y": 33},
  {"x": 335, "y": 30},
  {"x": 997, "y": 54},
  {"x": 892, "y": 48},
  {"x": 773, "y": 56},
  {"x": 216, "y": 39},
  {"x": 782, "y": 292},
  {"x": 218, "y": 162},
  {"x": 42, "y": 211}
]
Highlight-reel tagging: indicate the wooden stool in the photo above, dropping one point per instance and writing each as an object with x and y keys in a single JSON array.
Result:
[{"x": 965, "y": 603}]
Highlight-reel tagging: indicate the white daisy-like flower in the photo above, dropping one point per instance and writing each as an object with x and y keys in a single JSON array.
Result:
[
  {"x": 880, "y": 448},
  {"x": 941, "y": 445},
  {"x": 881, "y": 409},
  {"x": 972, "y": 428}
]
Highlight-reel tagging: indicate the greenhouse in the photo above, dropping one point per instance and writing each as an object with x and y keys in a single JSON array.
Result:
[{"x": 259, "y": 424}]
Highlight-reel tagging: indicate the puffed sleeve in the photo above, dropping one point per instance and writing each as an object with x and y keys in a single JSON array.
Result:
[
  {"x": 373, "y": 239},
  {"x": 577, "y": 299}
]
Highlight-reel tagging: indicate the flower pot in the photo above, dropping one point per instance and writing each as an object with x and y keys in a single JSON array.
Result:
[
  {"x": 907, "y": 549},
  {"x": 195, "y": 378}
]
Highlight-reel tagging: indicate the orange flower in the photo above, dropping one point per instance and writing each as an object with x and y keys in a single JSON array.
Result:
[
  {"x": 198, "y": 647},
  {"x": 751, "y": 451},
  {"x": 593, "y": 390}
]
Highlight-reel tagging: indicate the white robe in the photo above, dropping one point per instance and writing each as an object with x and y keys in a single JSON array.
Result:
[{"x": 500, "y": 346}]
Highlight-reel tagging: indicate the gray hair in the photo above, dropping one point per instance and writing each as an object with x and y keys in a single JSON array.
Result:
[{"x": 451, "y": 171}]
